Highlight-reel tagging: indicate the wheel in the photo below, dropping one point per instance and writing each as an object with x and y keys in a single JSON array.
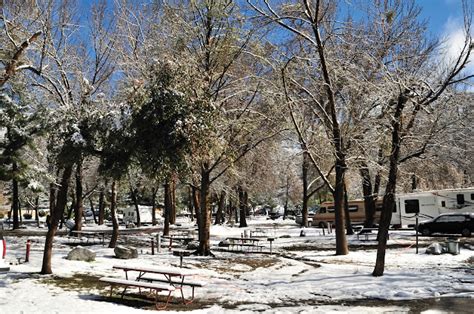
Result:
[
  {"x": 466, "y": 232},
  {"x": 425, "y": 231},
  {"x": 322, "y": 224}
]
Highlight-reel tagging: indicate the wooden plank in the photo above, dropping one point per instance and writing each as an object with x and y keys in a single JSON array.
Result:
[{"x": 140, "y": 284}]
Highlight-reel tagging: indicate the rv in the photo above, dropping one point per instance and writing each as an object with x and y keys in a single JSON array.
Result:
[
  {"x": 430, "y": 204},
  {"x": 130, "y": 215},
  {"x": 326, "y": 213}
]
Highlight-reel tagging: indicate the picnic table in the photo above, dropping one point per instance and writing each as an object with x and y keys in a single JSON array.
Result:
[
  {"x": 89, "y": 235},
  {"x": 249, "y": 243},
  {"x": 158, "y": 279}
]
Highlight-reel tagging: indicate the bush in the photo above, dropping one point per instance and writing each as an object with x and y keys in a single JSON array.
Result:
[{"x": 27, "y": 216}]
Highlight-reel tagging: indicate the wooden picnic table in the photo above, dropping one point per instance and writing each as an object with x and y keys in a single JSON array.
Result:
[
  {"x": 249, "y": 243},
  {"x": 174, "y": 277},
  {"x": 89, "y": 234}
]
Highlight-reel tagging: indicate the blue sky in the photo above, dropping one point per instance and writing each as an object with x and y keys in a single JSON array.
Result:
[{"x": 442, "y": 15}]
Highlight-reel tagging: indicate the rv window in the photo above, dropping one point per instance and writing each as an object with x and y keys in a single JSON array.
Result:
[
  {"x": 331, "y": 209},
  {"x": 378, "y": 208},
  {"x": 353, "y": 208},
  {"x": 443, "y": 204},
  {"x": 412, "y": 206},
  {"x": 472, "y": 196},
  {"x": 322, "y": 210},
  {"x": 460, "y": 199}
]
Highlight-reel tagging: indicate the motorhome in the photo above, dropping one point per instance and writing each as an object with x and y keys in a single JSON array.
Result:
[
  {"x": 130, "y": 214},
  {"x": 430, "y": 204},
  {"x": 326, "y": 213}
]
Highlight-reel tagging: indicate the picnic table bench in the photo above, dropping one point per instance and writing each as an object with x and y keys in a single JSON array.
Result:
[
  {"x": 88, "y": 235},
  {"x": 170, "y": 280},
  {"x": 250, "y": 243},
  {"x": 367, "y": 233},
  {"x": 154, "y": 287}
]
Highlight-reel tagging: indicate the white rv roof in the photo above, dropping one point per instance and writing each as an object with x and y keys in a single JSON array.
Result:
[{"x": 434, "y": 192}]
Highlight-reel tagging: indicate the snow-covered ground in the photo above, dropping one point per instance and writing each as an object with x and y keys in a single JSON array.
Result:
[{"x": 303, "y": 275}]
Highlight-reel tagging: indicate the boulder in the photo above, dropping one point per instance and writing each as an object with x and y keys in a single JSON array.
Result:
[
  {"x": 223, "y": 243},
  {"x": 194, "y": 245},
  {"x": 125, "y": 252},
  {"x": 81, "y": 254},
  {"x": 435, "y": 249}
]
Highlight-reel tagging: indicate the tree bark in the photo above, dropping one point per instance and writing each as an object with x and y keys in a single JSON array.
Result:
[
  {"x": 242, "y": 205},
  {"x": 36, "y": 211},
  {"x": 204, "y": 230},
  {"x": 102, "y": 206},
  {"x": 304, "y": 210},
  {"x": 220, "y": 209},
  {"x": 349, "y": 229},
  {"x": 134, "y": 195},
  {"x": 79, "y": 204},
  {"x": 15, "y": 198},
  {"x": 341, "y": 240},
  {"x": 154, "y": 191},
  {"x": 91, "y": 202},
  {"x": 173, "y": 199},
  {"x": 55, "y": 217},
  {"x": 369, "y": 201},
  {"x": 191, "y": 202},
  {"x": 113, "y": 214},
  {"x": 167, "y": 212},
  {"x": 197, "y": 209},
  {"x": 390, "y": 189}
]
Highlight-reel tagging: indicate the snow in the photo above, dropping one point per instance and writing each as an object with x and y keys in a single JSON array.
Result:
[{"x": 303, "y": 275}]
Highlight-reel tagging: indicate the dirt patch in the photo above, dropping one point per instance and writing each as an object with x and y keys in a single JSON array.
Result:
[
  {"x": 78, "y": 282},
  {"x": 249, "y": 263}
]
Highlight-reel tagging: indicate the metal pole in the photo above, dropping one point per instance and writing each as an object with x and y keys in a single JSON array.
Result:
[
  {"x": 416, "y": 230},
  {"x": 158, "y": 243},
  {"x": 28, "y": 245}
]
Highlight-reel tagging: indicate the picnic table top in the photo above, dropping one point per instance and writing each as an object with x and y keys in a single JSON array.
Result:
[
  {"x": 172, "y": 271},
  {"x": 244, "y": 239},
  {"x": 91, "y": 232}
]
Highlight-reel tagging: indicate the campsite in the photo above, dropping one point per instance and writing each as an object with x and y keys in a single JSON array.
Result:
[{"x": 302, "y": 274}]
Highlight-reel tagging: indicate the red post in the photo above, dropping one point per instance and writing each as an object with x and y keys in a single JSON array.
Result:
[{"x": 28, "y": 246}]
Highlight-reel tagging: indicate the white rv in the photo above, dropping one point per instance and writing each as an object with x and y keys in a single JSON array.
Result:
[
  {"x": 430, "y": 204},
  {"x": 130, "y": 215}
]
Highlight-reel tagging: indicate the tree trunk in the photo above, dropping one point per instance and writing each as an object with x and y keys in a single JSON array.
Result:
[
  {"x": 414, "y": 182},
  {"x": 102, "y": 205},
  {"x": 287, "y": 192},
  {"x": 369, "y": 201},
  {"x": 134, "y": 195},
  {"x": 204, "y": 230},
  {"x": 154, "y": 191},
  {"x": 91, "y": 202},
  {"x": 79, "y": 204},
  {"x": 220, "y": 209},
  {"x": 113, "y": 210},
  {"x": 304, "y": 210},
  {"x": 191, "y": 202},
  {"x": 55, "y": 217},
  {"x": 390, "y": 189},
  {"x": 242, "y": 205},
  {"x": 173, "y": 199},
  {"x": 349, "y": 229},
  {"x": 230, "y": 211},
  {"x": 167, "y": 212},
  {"x": 15, "y": 198},
  {"x": 341, "y": 240},
  {"x": 36, "y": 211},
  {"x": 197, "y": 209}
]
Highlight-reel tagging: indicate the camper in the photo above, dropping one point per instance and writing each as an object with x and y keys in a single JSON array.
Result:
[
  {"x": 130, "y": 215},
  {"x": 326, "y": 214},
  {"x": 430, "y": 204}
]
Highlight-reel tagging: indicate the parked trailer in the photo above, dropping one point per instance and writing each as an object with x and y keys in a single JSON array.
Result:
[
  {"x": 430, "y": 204},
  {"x": 326, "y": 213}
]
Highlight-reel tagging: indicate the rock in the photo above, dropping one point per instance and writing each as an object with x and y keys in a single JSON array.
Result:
[
  {"x": 125, "y": 252},
  {"x": 194, "y": 245},
  {"x": 223, "y": 243},
  {"x": 435, "y": 249},
  {"x": 302, "y": 233},
  {"x": 81, "y": 254}
]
